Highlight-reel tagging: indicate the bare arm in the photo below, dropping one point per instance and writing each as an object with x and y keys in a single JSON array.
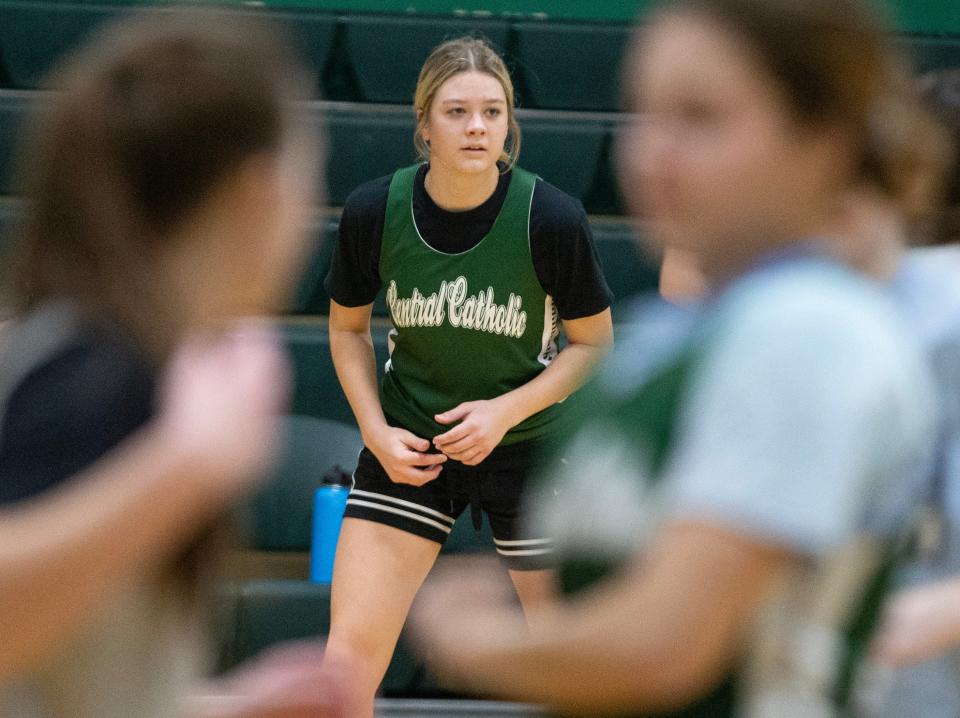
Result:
[
  {"x": 484, "y": 423},
  {"x": 588, "y": 340},
  {"x": 920, "y": 623},
  {"x": 399, "y": 451},
  {"x": 653, "y": 638},
  {"x": 60, "y": 555}
]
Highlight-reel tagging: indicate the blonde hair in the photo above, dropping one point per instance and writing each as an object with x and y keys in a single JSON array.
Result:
[{"x": 463, "y": 54}]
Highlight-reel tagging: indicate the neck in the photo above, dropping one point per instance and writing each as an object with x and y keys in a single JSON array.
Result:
[
  {"x": 738, "y": 257},
  {"x": 872, "y": 236},
  {"x": 458, "y": 192},
  {"x": 189, "y": 282}
]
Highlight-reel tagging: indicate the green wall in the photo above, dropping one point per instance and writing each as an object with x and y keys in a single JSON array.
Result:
[{"x": 925, "y": 16}]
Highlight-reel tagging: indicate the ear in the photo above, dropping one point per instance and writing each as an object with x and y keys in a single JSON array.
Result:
[{"x": 425, "y": 130}]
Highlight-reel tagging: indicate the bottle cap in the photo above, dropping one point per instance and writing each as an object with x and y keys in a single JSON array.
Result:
[{"x": 337, "y": 477}]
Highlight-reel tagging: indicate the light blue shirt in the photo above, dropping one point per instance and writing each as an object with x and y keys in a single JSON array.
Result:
[{"x": 808, "y": 411}]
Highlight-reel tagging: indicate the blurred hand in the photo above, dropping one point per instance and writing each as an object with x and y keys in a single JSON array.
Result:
[
  {"x": 482, "y": 427},
  {"x": 219, "y": 404},
  {"x": 457, "y": 613},
  {"x": 292, "y": 680},
  {"x": 402, "y": 455},
  {"x": 919, "y": 624}
]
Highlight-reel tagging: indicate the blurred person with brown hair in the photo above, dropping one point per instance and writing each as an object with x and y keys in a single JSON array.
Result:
[
  {"x": 167, "y": 181},
  {"x": 715, "y": 519},
  {"x": 65, "y": 552},
  {"x": 920, "y": 634}
]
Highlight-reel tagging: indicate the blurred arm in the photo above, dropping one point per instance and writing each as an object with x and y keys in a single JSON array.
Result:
[
  {"x": 63, "y": 552},
  {"x": 655, "y": 638},
  {"x": 60, "y": 555}
]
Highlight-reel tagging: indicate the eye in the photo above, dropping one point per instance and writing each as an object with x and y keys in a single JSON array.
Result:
[
  {"x": 455, "y": 111},
  {"x": 493, "y": 112}
]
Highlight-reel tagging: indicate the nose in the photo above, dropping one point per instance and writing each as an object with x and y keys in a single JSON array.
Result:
[{"x": 476, "y": 126}]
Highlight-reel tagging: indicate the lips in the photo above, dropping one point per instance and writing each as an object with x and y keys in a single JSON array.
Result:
[{"x": 474, "y": 148}]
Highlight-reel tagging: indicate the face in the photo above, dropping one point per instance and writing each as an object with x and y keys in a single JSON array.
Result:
[
  {"x": 713, "y": 160},
  {"x": 467, "y": 123}
]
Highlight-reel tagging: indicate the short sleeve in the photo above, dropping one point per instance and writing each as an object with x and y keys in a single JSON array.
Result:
[
  {"x": 807, "y": 410},
  {"x": 564, "y": 255},
  {"x": 354, "y": 276},
  {"x": 68, "y": 413}
]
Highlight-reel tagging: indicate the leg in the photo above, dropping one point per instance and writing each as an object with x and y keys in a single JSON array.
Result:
[
  {"x": 377, "y": 572},
  {"x": 535, "y": 589},
  {"x": 526, "y": 556}
]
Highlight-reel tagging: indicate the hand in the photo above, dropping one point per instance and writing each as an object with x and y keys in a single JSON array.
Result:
[
  {"x": 293, "y": 680},
  {"x": 482, "y": 427},
  {"x": 919, "y": 624},
  {"x": 402, "y": 455},
  {"x": 459, "y": 612},
  {"x": 219, "y": 403}
]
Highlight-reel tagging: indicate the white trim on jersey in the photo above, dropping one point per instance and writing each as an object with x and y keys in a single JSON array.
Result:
[
  {"x": 391, "y": 343},
  {"x": 551, "y": 332}
]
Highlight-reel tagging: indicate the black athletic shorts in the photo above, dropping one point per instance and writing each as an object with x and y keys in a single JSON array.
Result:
[{"x": 494, "y": 487}]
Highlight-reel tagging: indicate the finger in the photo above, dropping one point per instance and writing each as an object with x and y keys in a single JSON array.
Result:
[
  {"x": 425, "y": 476},
  {"x": 412, "y": 441},
  {"x": 475, "y": 457},
  {"x": 455, "y": 434},
  {"x": 417, "y": 477},
  {"x": 459, "y": 456},
  {"x": 455, "y": 414},
  {"x": 460, "y": 447},
  {"x": 468, "y": 453},
  {"x": 414, "y": 458}
]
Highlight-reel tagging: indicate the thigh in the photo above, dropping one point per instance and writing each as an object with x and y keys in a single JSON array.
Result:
[
  {"x": 503, "y": 496},
  {"x": 389, "y": 540},
  {"x": 376, "y": 574}
]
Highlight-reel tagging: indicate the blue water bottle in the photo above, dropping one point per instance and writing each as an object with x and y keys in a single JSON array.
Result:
[{"x": 329, "y": 502}]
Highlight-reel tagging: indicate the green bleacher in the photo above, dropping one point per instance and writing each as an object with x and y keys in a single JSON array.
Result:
[
  {"x": 558, "y": 64},
  {"x": 364, "y": 57}
]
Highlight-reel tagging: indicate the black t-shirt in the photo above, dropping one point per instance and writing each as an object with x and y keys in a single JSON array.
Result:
[
  {"x": 564, "y": 257},
  {"x": 72, "y": 408}
]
